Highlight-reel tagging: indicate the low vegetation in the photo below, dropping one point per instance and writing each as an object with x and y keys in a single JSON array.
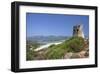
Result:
[
  {"x": 30, "y": 54},
  {"x": 74, "y": 44}
]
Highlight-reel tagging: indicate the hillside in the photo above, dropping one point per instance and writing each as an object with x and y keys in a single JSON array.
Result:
[{"x": 74, "y": 47}]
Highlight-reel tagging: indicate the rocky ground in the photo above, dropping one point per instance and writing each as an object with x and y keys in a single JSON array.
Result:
[{"x": 81, "y": 54}]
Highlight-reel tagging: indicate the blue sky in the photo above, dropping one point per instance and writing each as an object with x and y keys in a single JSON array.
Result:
[{"x": 54, "y": 24}]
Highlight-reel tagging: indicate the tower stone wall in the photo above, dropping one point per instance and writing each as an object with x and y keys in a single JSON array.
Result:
[{"x": 78, "y": 31}]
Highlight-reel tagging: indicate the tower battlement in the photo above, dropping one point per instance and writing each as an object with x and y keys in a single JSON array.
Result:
[{"x": 78, "y": 31}]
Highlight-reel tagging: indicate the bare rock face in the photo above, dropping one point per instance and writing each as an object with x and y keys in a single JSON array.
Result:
[
  {"x": 71, "y": 55},
  {"x": 81, "y": 54},
  {"x": 75, "y": 55},
  {"x": 68, "y": 55}
]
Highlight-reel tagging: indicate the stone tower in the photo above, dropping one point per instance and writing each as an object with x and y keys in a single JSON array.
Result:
[{"x": 77, "y": 31}]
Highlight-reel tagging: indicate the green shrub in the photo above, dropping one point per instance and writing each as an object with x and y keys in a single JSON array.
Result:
[
  {"x": 74, "y": 44},
  {"x": 51, "y": 46},
  {"x": 30, "y": 53}
]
